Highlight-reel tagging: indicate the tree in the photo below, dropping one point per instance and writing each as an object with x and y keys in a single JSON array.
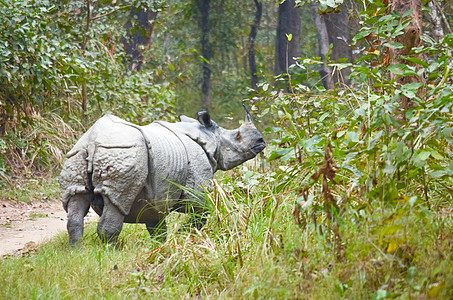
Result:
[
  {"x": 323, "y": 45},
  {"x": 288, "y": 24},
  {"x": 139, "y": 29},
  {"x": 409, "y": 40},
  {"x": 206, "y": 53},
  {"x": 337, "y": 25},
  {"x": 251, "y": 45},
  {"x": 332, "y": 27}
]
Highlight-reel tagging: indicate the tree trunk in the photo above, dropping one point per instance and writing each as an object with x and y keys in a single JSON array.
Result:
[
  {"x": 323, "y": 46},
  {"x": 436, "y": 21},
  {"x": 139, "y": 29},
  {"x": 251, "y": 45},
  {"x": 288, "y": 23},
  {"x": 337, "y": 25},
  {"x": 410, "y": 39},
  {"x": 84, "y": 48},
  {"x": 203, "y": 6}
]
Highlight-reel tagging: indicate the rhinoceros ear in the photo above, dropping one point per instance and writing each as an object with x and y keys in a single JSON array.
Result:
[
  {"x": 204, "y": 118},
  {"x": 187, "y": 119}
]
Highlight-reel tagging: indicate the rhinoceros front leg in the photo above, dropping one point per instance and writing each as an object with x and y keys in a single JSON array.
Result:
[
  {"x": 198, "y": 218},
  {"x": 196, "y": 206},
  {"x": 110, "y": 223},
  {"x": 78, "y": 206},
  {"x": 157, "y": 229}
]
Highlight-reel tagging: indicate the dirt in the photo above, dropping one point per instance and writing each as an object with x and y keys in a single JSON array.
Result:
[{"x": 24, "y": 226}]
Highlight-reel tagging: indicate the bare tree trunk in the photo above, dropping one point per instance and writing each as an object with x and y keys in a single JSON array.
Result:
[
  {"x": 84, "y": 48},
  {"x": 203, "y": 6},
  {"x": 288, "y": 23},
  {"x": 251, "y": 45},
  {"x": 437, "y": 30},
  {"x": 139, "y": 29},
  {"x": 323, "y": 46},
  {"x": 337, "y": 25},
  {"x": 410, "y": 39}
]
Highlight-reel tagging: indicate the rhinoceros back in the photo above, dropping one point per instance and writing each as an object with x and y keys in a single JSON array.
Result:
[{"x": 119, "y": 160}]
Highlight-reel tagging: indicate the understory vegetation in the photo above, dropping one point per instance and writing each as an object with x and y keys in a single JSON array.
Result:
[{"x": 352, "y": 197}]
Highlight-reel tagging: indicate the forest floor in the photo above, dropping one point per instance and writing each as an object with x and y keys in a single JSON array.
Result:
[{"x": 24, "y": 226}]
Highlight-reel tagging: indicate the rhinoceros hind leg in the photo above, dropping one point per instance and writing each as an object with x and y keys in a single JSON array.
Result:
[
  {"x": 157, "y": 229},
  {"x": 110, "y": 223},
  {"x": 78, "y": 206}
]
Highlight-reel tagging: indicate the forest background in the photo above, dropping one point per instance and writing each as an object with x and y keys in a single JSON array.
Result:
[{"x": 354, "y": 99}]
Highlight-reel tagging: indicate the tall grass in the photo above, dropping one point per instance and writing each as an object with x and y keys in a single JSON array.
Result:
[{"x": 251, "y": 248}]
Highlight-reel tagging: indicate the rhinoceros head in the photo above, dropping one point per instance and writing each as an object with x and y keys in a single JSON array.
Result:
[{"x": 225, "y": 148}]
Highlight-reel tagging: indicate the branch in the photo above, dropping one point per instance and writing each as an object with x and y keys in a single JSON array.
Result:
[
  {"x": 87, "y": 26},
  {"x": 439, "y": 10},
  {"x": 111, "y": 12}
]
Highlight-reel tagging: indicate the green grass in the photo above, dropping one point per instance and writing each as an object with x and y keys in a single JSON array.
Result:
[
  {"x": 251, "y": 248},
  {"x": 31, "y": 189}
]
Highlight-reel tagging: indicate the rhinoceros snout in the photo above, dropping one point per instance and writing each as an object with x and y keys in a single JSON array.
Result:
[{"x": 259, "y": 146}]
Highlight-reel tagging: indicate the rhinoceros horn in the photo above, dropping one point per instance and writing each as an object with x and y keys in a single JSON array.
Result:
[{"x": 248, "y": 116}]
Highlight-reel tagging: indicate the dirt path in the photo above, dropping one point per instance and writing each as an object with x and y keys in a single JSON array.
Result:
[{"x": 23, "y": 226}]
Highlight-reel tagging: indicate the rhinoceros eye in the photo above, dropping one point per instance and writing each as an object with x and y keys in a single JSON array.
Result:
[{"x": 238, "y": 137}]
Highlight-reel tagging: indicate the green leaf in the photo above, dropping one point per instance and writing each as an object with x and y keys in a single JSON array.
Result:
[
  {"x": 433, "y": 66},
  {"x": 279, "y": 153},
  {"x": 416, "y": 60},
  {"x": 407, "y": 13},
  {"x": 400, "y": 69},
  {"x": 394, "y": 45},
  {"x": 364, "y": 32},
  {"x": 397, "y": 69},
  {"x": 340, "y": 133},
  {"x": 423, "y": 155},
  {"x": 272, "y": 129},
  {"x": 410, "y": 89},
  {"x": 353, "y": 136},
  {"x": 436, "y": 155},
  {"x": 389, "y": 168}
]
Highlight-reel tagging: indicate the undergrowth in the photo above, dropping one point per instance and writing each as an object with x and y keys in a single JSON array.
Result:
[{"x": 252, "y": 247}]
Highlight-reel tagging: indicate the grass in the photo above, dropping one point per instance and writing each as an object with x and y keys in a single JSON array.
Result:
[
  {"x": 32, "y": 189},
  {"x": 34, "y": 215},
  {"x": 251, "y": 248}
]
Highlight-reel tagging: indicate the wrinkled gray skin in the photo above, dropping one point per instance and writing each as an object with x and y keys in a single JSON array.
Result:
[{"x": 134, "y": 174}]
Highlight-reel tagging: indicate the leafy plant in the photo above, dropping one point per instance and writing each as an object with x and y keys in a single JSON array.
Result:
[
  {"x": 353, "y": 158},
  {"x": 51, "y": 54}
]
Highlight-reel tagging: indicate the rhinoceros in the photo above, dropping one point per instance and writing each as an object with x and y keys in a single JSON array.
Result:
[{"x": 138, "y": 174}]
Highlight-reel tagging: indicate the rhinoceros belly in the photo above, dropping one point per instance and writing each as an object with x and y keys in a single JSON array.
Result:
[{"x": 168, "y": 169}]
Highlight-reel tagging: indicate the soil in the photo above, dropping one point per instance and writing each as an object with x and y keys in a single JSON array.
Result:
[{"x": 24, "y": 226}]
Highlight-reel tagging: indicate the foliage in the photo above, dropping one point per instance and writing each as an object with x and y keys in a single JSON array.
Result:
[
  {"x": 49, "y": 51},
  {"x": 354, "y": 160}
]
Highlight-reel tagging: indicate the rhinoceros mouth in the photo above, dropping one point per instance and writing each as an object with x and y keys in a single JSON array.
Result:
[{"x": 259, "y": 147}]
